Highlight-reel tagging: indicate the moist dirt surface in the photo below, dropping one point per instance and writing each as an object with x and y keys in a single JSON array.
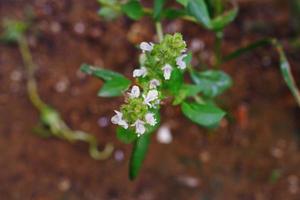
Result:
[{"x": 253, "y": 155}]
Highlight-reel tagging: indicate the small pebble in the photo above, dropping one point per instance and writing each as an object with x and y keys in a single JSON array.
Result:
[
  {"x": 62, "y": 85},
  {"x": 80, "y": 75},
  {"x": 16, "y": 75},
  {"x": 79, "y": 28},
  {"x": 276, "y": 152},
  {"x": 197, "y": 45},
  {"x": 103, "y": 121},
  {"x": 266, "y": 61},
  {"x": 64, "y": 185},
  {"x": 188, "y": 181},
  {"x": 164, "y": 135},
  {"x": 55, "y": 27},
  {"x": 119, "y": 155},
  {"x": 293, "y": 181},
  {"x": 204, "y": 156}
]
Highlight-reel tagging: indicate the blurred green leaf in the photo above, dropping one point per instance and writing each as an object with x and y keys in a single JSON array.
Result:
[
  {"x": 175, "y": 82},
  {"x": 183, "y": 2},
  {"x": 239, "y": 52},
  {"x": 223, "y": 20},
  {"x": 13, "y": 30},
  {"x": 207, "y": 115},
  {"x": 188, "y": 58},
  {"x": 108, "y": 13},
  {"x": 138, "y": 154},
  {"x": 286, "y": 71},
  {"x": 198, "y": 9},
  {"x": 133, "y": 9},
  {"x": 212, "y": 82},
  {"x": 187, "y": 90},
  {"x": 115, "y": 83},
  {"x": 101, "y": 73},
  {"x": 126, "y": 135},
  {"x": 171, "y": 13},
  {"x": 114, "y": 87},
  {"x": 157, "y": 9}
]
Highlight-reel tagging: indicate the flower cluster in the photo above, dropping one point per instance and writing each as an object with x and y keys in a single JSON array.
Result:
[{"x": 158, "y": 61}]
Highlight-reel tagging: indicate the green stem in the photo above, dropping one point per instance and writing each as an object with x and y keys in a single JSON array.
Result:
[
  {"x": 30, "y": 67},
  {"x": 57, "y": 126},
  {"x": 218, "y": 7},
  {"x": 159, "y": 31},
  {"x": 218, "y": 48}
]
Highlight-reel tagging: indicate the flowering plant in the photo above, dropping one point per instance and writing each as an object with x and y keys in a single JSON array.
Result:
[{"x": 160, "y": 76}]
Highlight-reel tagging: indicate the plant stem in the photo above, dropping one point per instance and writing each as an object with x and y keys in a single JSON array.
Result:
[
  {"x": 30, "y": 67},
  {"x": 159, "y": 31},
  {"x": 218, "y": 48},
  {"x": 218, "y": 7},
  {"x": 58, "y": 127}
]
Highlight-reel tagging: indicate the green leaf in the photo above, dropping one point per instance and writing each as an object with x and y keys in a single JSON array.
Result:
[
  {"x": 126, "y": 135},
  {"x": 183, "y": 2},
  {"x": 114, "y": 87},
  {"x": 212, "y": 82},
  {"x": 158, "y": 8},
  {"x": 138, "y": 154},
  {"x": 133, "y": 9},
  {"x": 223, "y": 20},
  {"x": 286, "y": 71},
  {"x": 171, "y": 13},
  {"x": 108, "y": 13},
  {"x": 101, "y": 73},
  {"x": 13, "y": 30},
  {"x": 187, "y": 90},
  {"x": 175, "y": 82},
  {"x": 115, "y": 83},
  {"x": 188, "y": 58},
  {"x": 206, "y": 115},
  {"x": 198, "y": 9}
]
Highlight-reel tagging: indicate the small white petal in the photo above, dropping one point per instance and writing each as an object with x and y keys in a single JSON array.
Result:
[
  {"x": 135, "y": 92},
  {"x": 150, "y": 119},
  {"x": 140, "y": 72},
  {"x": 164, "y": 135},
  {"x": 123, "y": 123},
  {"x": 139, "y": 127},
  {"x": 145, "y": 46},
  {"x": 167, "y": 69},
  {"x": 151, "y": 96},
  {"x": 154, "y": 83},
  {"x": 180, "y": 62},
  {"x": 118, "y": 119}
]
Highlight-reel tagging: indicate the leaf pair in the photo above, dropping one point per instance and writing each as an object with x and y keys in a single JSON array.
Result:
[
  {"x": 115, "y": 83},
  {"x": 199, "y": 9}
]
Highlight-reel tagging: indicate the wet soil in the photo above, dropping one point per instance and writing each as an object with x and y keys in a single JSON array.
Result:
[{"x": 253, "y": 155}]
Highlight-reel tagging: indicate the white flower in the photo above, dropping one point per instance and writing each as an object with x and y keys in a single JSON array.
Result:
[
  {"x": 154, "y": 83},
  {"x": 140, "y": 72},
  {"x": 139, "y": 127},
  {"x": 150, "y": 119},
  {"x": 135, "y": 92},
  {"x": 145, "y": 46},
  {"x": 151, "y": 96},
  {"x": 118, "y": 119},
  {"x": 167, "y": 69},
  {"x": 180, "y": 62}
]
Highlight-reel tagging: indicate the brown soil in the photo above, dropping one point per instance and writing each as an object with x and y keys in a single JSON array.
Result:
[{"x": 254, "y": 155}]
